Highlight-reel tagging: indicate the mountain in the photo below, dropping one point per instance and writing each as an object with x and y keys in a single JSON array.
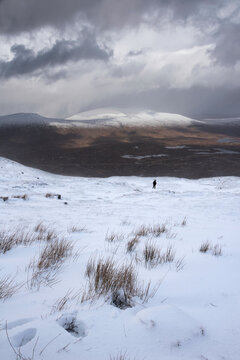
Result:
[
  {"x": 106, "y": 142},
  {"x": 113, "y": 117},
  {"x": 27, "y": 119}
]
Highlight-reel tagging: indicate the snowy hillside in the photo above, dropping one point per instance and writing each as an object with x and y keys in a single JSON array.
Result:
[
  {"x": 167, "y": 262},
  {"x": 114, "y": 117}
]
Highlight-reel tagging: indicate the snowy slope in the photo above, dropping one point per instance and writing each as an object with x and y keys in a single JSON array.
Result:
[
  {"x": 195, "y": 312},
  {"x": 113, "y": 117}
]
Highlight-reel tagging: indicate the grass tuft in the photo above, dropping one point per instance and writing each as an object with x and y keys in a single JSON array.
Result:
[
  {"x": 113, "y": 237},
  {"x": 205, "y": 247},
  {"x": 8, "y": 287},
  {"x": 132, "y": 244},
  {"x": 117, "y": 283},
  {"x": 154, "y": 256}
]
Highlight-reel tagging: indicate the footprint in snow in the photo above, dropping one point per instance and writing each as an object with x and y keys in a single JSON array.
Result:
[
  {"x": 72, "y": 325},
  {"x": 23, "y": 337}
]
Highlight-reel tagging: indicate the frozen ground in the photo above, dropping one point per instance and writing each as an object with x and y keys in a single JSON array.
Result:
[{"x": 195, "y": 311}]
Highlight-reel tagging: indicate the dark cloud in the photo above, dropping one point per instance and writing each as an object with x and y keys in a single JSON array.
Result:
[
  {"x": 136, "y": 53},
  {"x": 19, "y": 16},
  {"x": 227, "y": 49},
  {"x": 25, "y": 61}
]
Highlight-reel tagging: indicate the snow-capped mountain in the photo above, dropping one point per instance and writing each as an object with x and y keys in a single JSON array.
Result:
[{"x": 114, "y": 117}]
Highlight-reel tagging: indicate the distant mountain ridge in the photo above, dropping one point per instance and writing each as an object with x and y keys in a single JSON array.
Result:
[
  {"x": 103, "y": 117},
  {"x": 25, "y": 119},
  {"x": 114, "y": 118}
]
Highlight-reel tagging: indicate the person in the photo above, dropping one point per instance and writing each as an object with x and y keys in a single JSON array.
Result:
[{"x": 154, "y": 184}]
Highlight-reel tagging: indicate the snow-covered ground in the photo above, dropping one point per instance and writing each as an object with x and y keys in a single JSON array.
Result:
[{"x": 194, "y": 313}]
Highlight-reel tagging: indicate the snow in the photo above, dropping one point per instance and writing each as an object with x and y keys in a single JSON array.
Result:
[
  {"x": 194, "y": 312},
  {"x": 142, "y": 157},
  {"x": 113, "y": 117}
]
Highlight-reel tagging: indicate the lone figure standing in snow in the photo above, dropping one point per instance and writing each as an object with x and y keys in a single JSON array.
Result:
[{"x": 154, "y": 184}]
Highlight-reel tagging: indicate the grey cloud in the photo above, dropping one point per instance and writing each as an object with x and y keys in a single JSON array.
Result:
[
  {"x": 19, "y": 16},
  {"x": 196, "y": 102},
  {"x": 25, "y": 61},
  {"x": 227, "y": 49},
  {"x": 136, "y": 53}
]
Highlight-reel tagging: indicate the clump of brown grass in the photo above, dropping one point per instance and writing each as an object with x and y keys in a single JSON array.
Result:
[
  {"x": 75, "y": 229},
  {"x": 184, "y": 222},
  {"x": 143, "y": 230},
  {"x": 154, "y": 256},
  {"x": 8, "y": 287},
  {"x": 54, "y": 253},
  {"x": 154, "y": 230},
  {"x": 157, "y": 230},
  {"x": 45, "y": 233},
  {"x": 10, "y": 239},
  {"x": 205, "y": 246},
  {"x": 217, "y": 250},
  {"x": 119, "y": 356},
  {"x": 23, "y": 197},
  {"x": 118, "y": 283},
  {"x": 51, "y": 196},
  {"x": 45, "y": 268},
  {"x": 113, "y": 237},
  {"x": 132, "y": 244},
  {"x": 4, "y": 198},
  {"x": 40, "y": 227}
]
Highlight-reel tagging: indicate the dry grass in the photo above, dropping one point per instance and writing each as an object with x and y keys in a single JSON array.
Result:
[
  {"x": 54, "y": 253},
  {"x": 40, "y": 278},
  {"x": 184, "y": 222},
  {"x": 8, "y": 287},
  {"x": 179, "y": 264},
  {"x": 154, "y": 256},
  {"x": 45, "y": 269},
  {"x": 132, "y": 244},
  {"x": 76, "y": 229},
  {"x": 4, "y": 198},
  {"x": 62, "y": 303},
  {"x": 51, "y": 196},
  {"x": 23, "y": 197},
  {"x": 119, "y": 356},
  {"x": 215, "y": 249},
  {"x": 205, "y": 247},
  {"x": 113, "y": 237},
  {"x": 117, "y": 283},
  {"x": 45, "y": 233},
  {"x": 154, "y": 230},
  {"x": 10, "y": 239}
]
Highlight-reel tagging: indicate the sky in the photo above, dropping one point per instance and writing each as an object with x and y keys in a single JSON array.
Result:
[{"x": 59, "y": 57}]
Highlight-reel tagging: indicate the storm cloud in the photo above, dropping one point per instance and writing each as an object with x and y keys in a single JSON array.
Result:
[
  {"x": 169, "y": 55},
  {"x": 19, "y": 16},
  {"x": 25, "y": 61}
]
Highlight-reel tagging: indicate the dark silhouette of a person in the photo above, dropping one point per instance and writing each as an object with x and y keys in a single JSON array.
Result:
[{"x": 154, "y": 184}]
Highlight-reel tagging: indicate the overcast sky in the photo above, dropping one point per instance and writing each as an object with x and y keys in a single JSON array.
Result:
[{"x": 61, "y": 57}]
